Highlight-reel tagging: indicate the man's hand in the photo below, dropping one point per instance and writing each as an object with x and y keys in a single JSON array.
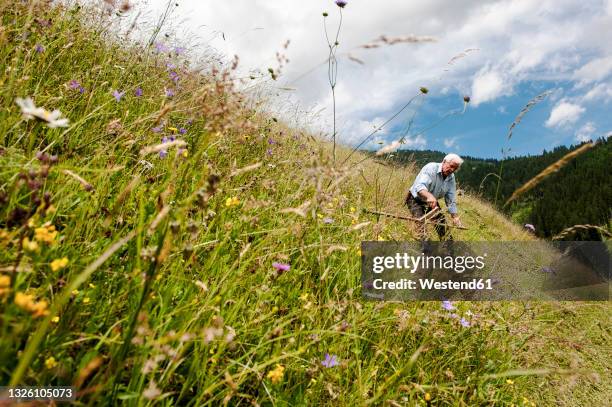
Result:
[
  {"x": 431, "y": 200},
  {"x": 456, "y": 220}
]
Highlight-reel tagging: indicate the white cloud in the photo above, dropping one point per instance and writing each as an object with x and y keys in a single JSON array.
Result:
[
  {"x": 602, "y": 91},
  {"x": 450, "y": 142},
  {"x": 594, "y": 70},
  {"x": 585, "y": 133},
  {"x": 419, "y": 142},
  {"x": 487, "y": 86},
  {"x": 564, "y": 113}
]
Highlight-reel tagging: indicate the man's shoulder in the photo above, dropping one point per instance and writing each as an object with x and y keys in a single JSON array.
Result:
[{"x": 431, "y": 166}]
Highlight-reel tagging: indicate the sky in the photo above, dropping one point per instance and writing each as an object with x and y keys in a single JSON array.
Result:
[{"x": 501, "y": 54}]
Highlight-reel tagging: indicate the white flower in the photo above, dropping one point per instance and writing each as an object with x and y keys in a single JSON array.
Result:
[{"x": 30, "y": 111}]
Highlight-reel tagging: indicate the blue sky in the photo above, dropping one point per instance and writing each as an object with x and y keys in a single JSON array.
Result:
[{"x": 501, "y": 53}]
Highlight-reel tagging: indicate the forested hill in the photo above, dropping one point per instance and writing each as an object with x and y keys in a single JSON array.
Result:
[{"x": 580, "y": 193}]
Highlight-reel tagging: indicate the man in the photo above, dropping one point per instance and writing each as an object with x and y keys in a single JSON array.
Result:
[{"x": 436, "y": 180}]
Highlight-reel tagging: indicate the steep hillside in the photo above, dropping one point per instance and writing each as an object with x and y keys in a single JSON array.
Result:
[{"x": 173, "y": 245}]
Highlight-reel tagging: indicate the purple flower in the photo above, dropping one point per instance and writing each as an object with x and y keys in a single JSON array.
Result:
[
  {"x": 74, "y": 84},
  {"x": 138, "y": 92},
  {"x": 163, "y": 153},
  {"x": 447, "y": 305},
  {"x": 39, "y": 48},
  {"x": 118, "y": 95},
  {"x": 160, "y": 47},
  {"x": 330, "y": 361},
  {"x": 170, "y": 65},
  {"x": 341, "y": 3},
  {"x": 157, "y": 129},
  {"x": 164, "y": 140},
  {"x": 464, "y": 322},
  {"x": 271, "y": 141},
  {"x": 182, "y": 130},
  {"x": 328, "y": 220},
  {"x": 282, "y": 267},
  {"x": 174, "y": 76},
  {"x": 169, "y": 93},
  {"x": 269, "y": 151},
  {"x": 179, "y": 50}
]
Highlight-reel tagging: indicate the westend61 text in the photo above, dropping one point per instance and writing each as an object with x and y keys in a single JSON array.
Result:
[{"x": 431, "y": 284}]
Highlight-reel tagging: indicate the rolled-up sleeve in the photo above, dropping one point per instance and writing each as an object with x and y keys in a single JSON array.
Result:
[
  {"x": 451, "y": 198},
  {"x": 422, "y": 181}
]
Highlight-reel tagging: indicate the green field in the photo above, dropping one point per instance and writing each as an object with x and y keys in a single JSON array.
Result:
[{"x": 175, "y": 287}]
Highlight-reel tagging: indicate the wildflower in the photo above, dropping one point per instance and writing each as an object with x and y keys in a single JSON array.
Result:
[
  {"x": 466, "y": 99},
  {"x": 174, "y": 76},
  {"x": 169, "y": 93},
  {"x": 29, "y": 245},
  {"x": 151, "y": 392},
  {"x": 352, "y": 209},
  {"x": 464, "y": 322},
  {"x": 118, "y": 95},
  {"x": 182, "y": 130},
  {"x": 510, "y": 381},
  {"x": 179, "y": 50},
  {"x": 50, "y": 363},
  {"x": 45, "y": 233},
  {"x": 427, "y": 397},
  {"x": 39, "y": 48},
  {"x": 276, "y": 374},
  {"x": 328, "y": 220},
  {"x": 157, "y": 129},
  {"x": 160, "y": 47},
  {"x": 341, "y": 3},
  {"x": 30, "y": 111},
  {"x": 271, "y": 141},
  {"x": 269, "y": 151},
  {"x": 59, "y": 264},
  {"x": 75, "y": 292},
  {"x": 27, "y": 302},
  {"x": 55, "y": 319},
  {"x": 174, "y": 129},
  {"x": 424, "y": 90},
  {"x": 86, "y": 300},
  {"x": 74, "y": 84},
  {"x": 447, "y": 305},
  {"x": 92, "y": 285},
  {"x": 233, "y": 201},
  {"x": 138, "y": 92},
  {"x": 330, "y": 361},
  {"x": 5, "y": 284},
  {"x": 281, "y": 267}
]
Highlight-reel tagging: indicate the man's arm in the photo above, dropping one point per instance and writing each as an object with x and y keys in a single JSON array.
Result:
[
  {"x": 421, "y": 186},
  {"x": 451, "y": 203}
]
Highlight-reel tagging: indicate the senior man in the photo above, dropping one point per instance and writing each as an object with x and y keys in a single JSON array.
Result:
[{"x": 435, "y": 180}]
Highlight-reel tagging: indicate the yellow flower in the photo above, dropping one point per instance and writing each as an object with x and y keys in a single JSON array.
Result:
[
  {"x": 86, "y": 300},
  {"x": 26, "y": 302},
  {"x": 509, "y": 381},
  {"x": 304, "y": 297},
  {"x": 45, "y": 233},
  {"x": 50, "y": 363},
  {"x": 55, "y": 319},
  {"x": 75, "y": 292},
  {"x": 174, "y": 129},
  {"x": 92, "y": 285},
  {"x": 185, "y": 153},
  {"x": 320, "y": 216},
  {"x": 352, "y": 209},
  {"x": 233, "y": 201},
  {"x": 276, "y": 374},
  {"x": 5, "y": 284},
  {"x": 427, "y": 397},
  {"x": 29, "y": 245},
  {"x": 359, "y": 252},
  {"x": 59, "y": 264},
  {"x": 381, "y": 239}
]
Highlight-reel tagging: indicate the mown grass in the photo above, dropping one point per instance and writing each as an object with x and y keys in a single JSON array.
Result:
[{"x": 188, "y": 307}]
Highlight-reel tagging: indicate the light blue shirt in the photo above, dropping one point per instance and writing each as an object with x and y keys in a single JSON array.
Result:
[{"x": 431, "y": 179}]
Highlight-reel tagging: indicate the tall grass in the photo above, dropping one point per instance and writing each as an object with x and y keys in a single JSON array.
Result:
[{"x": 221, "y": 271}]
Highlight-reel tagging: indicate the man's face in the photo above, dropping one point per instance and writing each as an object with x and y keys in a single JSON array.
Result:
[{"x": 448, "y": 167}]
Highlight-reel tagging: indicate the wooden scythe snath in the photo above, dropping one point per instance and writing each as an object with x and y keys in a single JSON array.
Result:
[{"x": 425, "y": 218}]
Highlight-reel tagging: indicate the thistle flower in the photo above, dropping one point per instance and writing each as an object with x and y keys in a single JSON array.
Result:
[
  {"x": 276, "y": 374},
  {"x": 30, "y": 111},
  {"x": 341, "y": 3},
  {"x": 281, "y": 267},
  {"x": 118, "y": 95},
  {"x": 330, "y": 361},
  {"x": 59, "y": 264}
]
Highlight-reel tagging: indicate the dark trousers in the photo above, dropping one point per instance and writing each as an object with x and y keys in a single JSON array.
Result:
[{"x": 419, "y": 208}]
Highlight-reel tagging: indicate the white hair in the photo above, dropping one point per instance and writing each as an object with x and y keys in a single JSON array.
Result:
[{"x": 453, "y": 158}]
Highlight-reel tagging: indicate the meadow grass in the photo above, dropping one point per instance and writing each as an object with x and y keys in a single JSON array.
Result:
[{"x": 145, "y": 272}]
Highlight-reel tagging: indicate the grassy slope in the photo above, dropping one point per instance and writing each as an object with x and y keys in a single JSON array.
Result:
[{"x": 211, "y": 317}]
